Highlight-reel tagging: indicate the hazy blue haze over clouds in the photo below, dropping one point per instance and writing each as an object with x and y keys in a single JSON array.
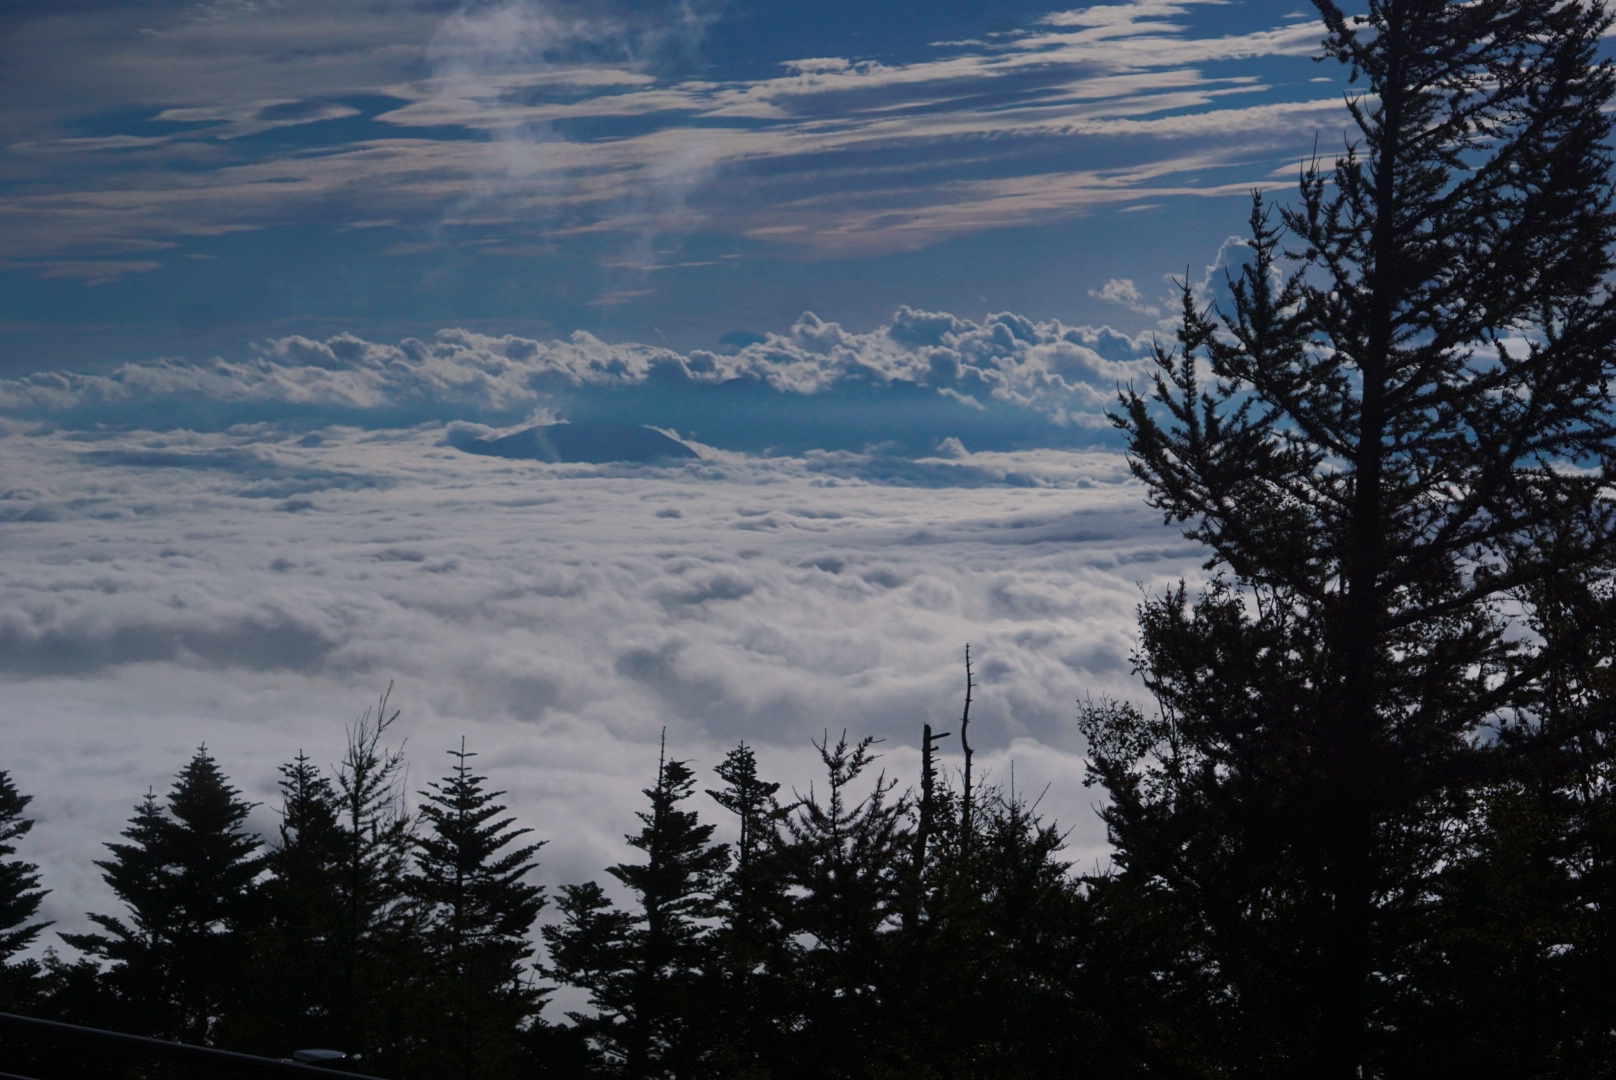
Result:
[{"x": 266, "y": 263}]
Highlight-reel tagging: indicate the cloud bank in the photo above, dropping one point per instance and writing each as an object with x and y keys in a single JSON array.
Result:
[
  {"x": 244, "y": 554},
  {"x": 1001, "y": 383},
  {"x": 251, "y": 589}
]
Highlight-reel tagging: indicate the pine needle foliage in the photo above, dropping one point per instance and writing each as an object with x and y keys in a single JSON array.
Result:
[
  {"x": 20, "y": 897},
  {"x": 1395, "y": 442},
  {"x": 478, "y": 906},
  {"x": 296, "y": 941},
  {"x": 842, "y": 861},
  {"x": 188, "y": 878},
  {"x": 650, "y": 972}
]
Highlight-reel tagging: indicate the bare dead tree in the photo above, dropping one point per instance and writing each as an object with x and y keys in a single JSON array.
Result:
[{"x": 965, "y": 744}]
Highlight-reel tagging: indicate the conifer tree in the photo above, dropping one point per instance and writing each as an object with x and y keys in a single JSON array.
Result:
[
  {"x": 1519, "y": 984},
  {"x": 752, "y": 800},
  {"x": 20, "y": 896},
  {"x": 1403, "y": 445},
  {"x": 1566, "y": 797},
  {"x": 294, "y": 948},
  {"x": 188, "y": 878},
  {"x": 478, "y": 907},
  {"x": 990, "y": 971},
  {"x": 340, "y": 957},
  {"x": 378, "y": 964},
  {"x": 592, "y": 948},
  {"x": 650, "y": 972},
  {"x": 1001, "y": 979},
  {"x": 842, "y": 862},
  {"x": 752, "y": 946}
]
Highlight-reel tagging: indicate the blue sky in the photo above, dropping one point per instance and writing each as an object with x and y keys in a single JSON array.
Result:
[
  {"x": 265, "y": 265},
  {"x": 185, "y": 178}
]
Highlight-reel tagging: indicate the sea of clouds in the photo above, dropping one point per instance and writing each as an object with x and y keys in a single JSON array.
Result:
[{"x": 246, "y": 553}]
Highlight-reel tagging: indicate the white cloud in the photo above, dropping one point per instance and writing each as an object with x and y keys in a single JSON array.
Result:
[
  {"x": 253, "y": 117},
  {"x": 1123, "y": 291},
  {"x": 254, "y": 588},
  {"x": 836, "y": 155},
  {"x": 1065, "y": 374}
]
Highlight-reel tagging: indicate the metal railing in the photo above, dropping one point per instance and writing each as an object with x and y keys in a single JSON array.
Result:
[{"x": 226, "y": 1060}]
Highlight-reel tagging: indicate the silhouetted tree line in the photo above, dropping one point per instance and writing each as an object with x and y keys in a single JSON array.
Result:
[
  {"x": 852, "y": 930},
  {"x": 1366, "y": 829}
]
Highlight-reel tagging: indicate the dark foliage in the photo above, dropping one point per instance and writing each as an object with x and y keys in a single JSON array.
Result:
[
  {"x": 1357, "y": 830},
  {"x": 842, "y": 859},
  {"x": 827, "y": 949},
  {"x": 1367, "y": 830},
  {"x": 751, "y": 946},
  {"x": 339, "y": 953},
  {"x": 187, "y": 877},
  {"x": 295, "y": 942},
  {"x": 478, "y": 908},
  {"x": 650, "y": 972},
  {"x": 20, "y": 896}
]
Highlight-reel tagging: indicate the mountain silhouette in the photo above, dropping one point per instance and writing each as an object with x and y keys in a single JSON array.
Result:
[{"x": 594, "y": 443}]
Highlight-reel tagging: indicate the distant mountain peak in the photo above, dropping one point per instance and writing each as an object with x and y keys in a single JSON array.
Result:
[{"x": 593, "y": 443}]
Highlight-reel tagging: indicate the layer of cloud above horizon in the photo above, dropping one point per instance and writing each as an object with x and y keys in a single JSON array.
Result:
[
  {"x": 908, "y": 386},
  {"x": 602, "y": 162},
  {"x": 242, "y": 552},
  {"x": 251, "y": 588}
]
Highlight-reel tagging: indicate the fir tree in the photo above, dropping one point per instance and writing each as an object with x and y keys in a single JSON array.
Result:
[
  {"x": 1378, "y": 464},
  {"x": 650, "y": 972},
  {"x": 340, "y": 959},
  {"x": 1514, "y": 964},
  {"x": 990, "y": 970},
  {"x": 1568, "y": 789},
  {"x": 378, "y": 964},
  {"x": 1000, "y": 980},
  {"x": 20, "y": 896},
  {"x": 842, "y": 863},
  {"x": 592, "y": 948},
  {"x": 478, "y": 906},
  {"x": 188, "y": 878},
  {"x": 294, "y": 949},
  {"x": 751, "y": 942},
  {"x": 752, "y": 800}
]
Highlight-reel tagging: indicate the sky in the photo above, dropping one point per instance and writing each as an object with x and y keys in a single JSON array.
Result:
[
  {"x": 268, "y": 266},
  {"x": 185, "y": 178}
]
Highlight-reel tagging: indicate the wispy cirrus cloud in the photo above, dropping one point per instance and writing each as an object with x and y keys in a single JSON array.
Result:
[{"x": 562, "y": 121}]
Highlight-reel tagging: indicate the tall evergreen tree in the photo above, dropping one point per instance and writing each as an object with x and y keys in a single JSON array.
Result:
[
  {"x": 592, "y": 948},
  {"x": 294, "y": 947},
  {"x": 842, "y": 862},
  {"x": 378, "y": 967},
  {"x": 752, "y": 800},
  {"x": 1514, "y": 968},
  {"x": 993, "y": 975},
  {"x": 1405, "y": 441},
  {"x": 1569, "y": 744},
  {"x": 340, "y": 957},
  {"x": 188, "y": 878},
  {"x": 649, "y": 972},
  {"x": 752, "y": 945},
  {"x": 479, "y": 907},
  {"x": 20, "y": 896}
]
